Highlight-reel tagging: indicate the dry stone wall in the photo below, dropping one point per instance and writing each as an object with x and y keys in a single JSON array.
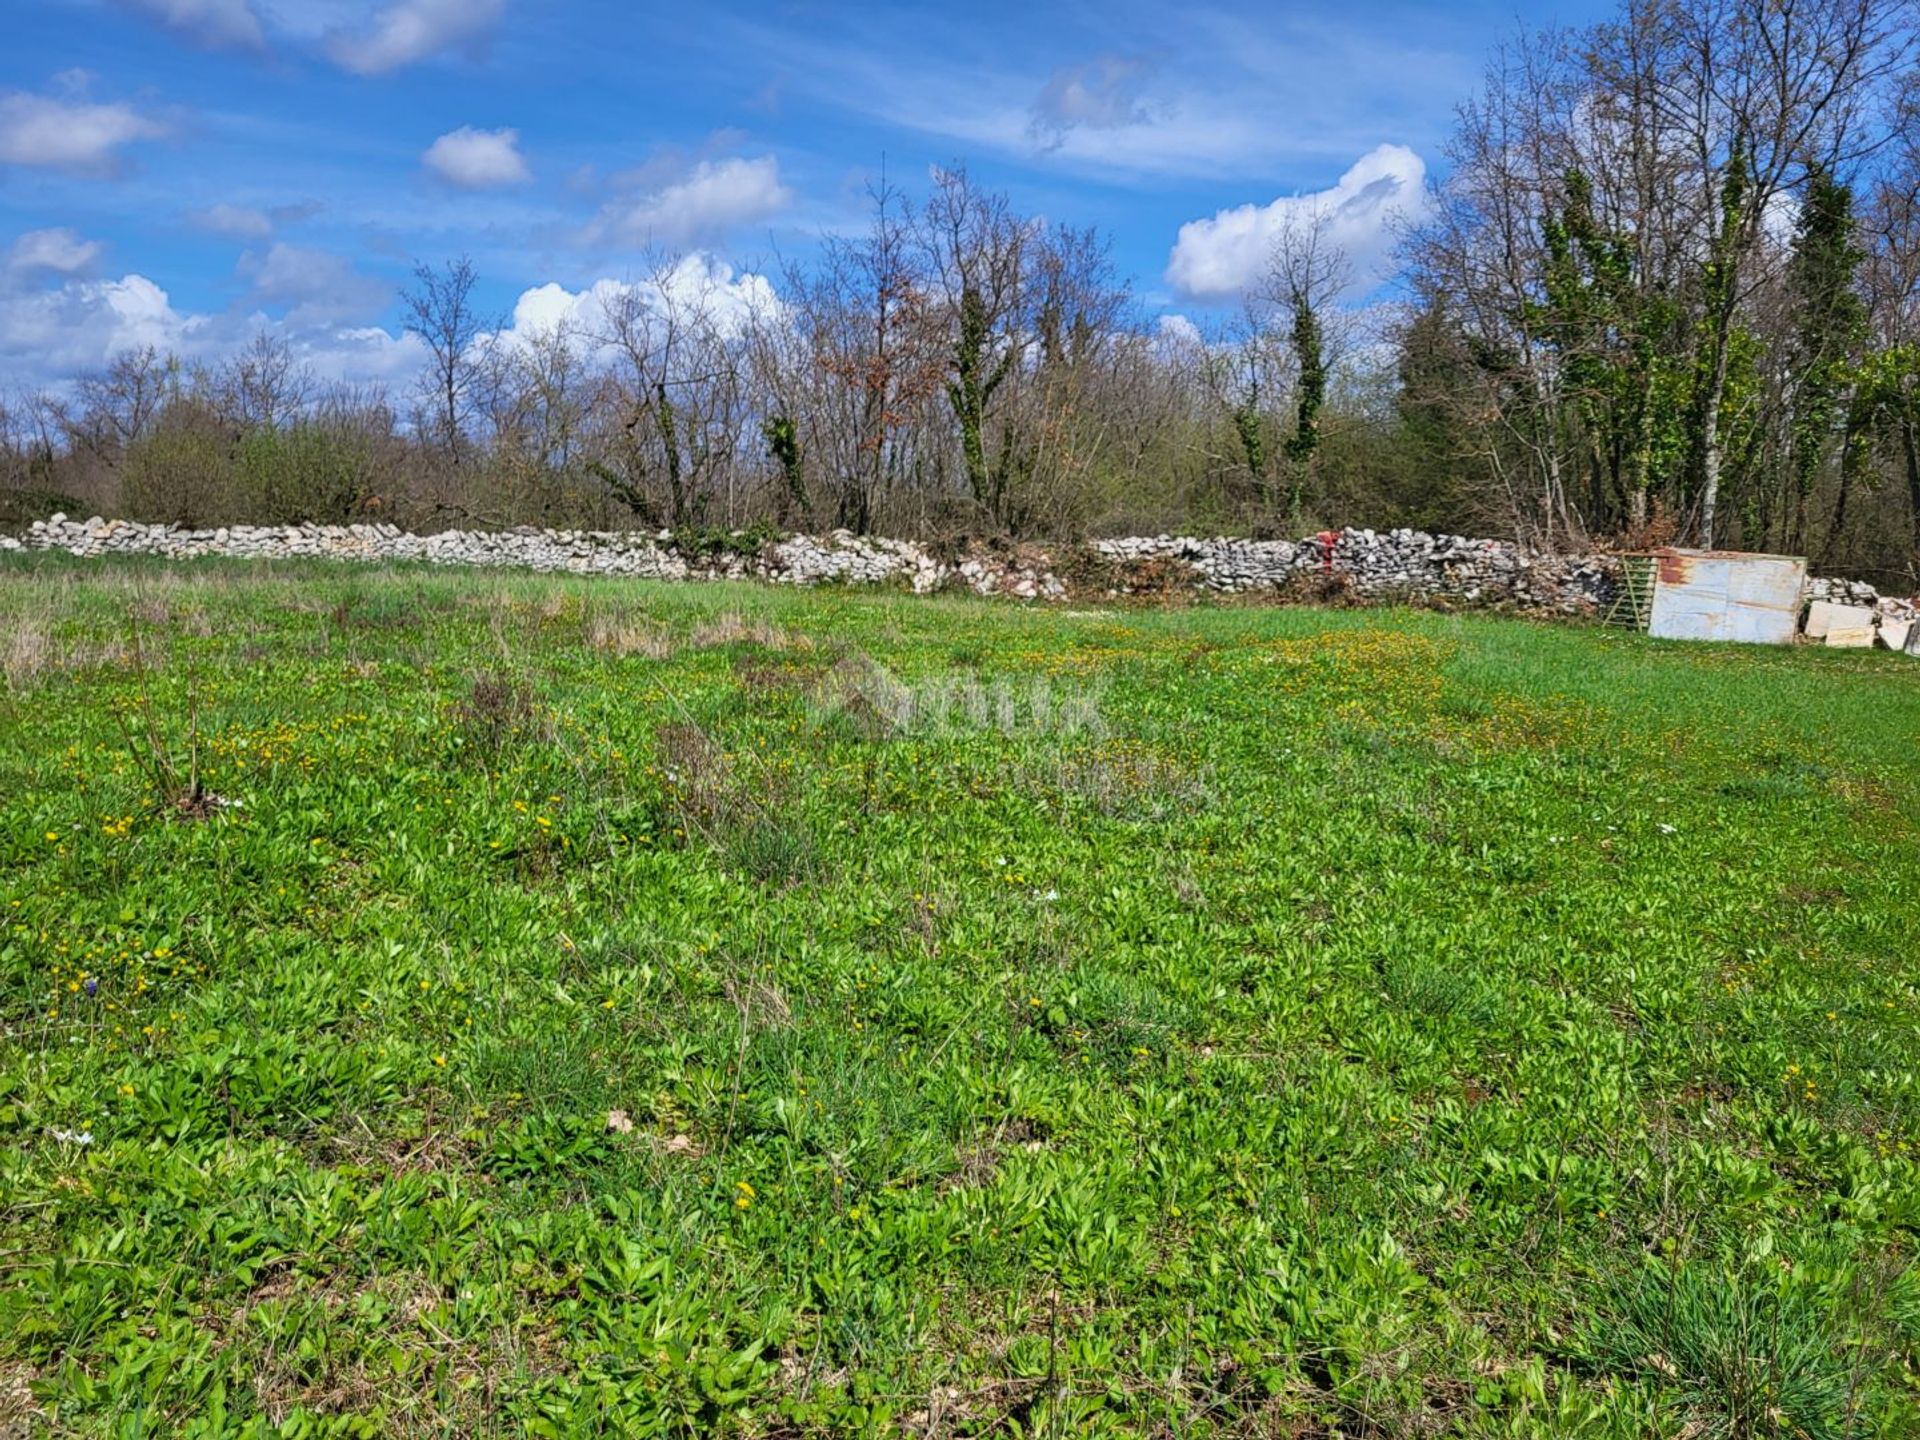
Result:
[
  {"x": 1368, "y": 564},
  {"x": 839, "y": 558},
  {"x": 1386, "y": 564}
]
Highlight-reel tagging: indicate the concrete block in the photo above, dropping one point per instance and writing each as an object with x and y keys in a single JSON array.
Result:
[{"x": 1824, "y": 617}]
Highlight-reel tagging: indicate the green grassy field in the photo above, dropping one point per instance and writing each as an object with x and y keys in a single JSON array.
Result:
[{"x": 600, "y": 1008}]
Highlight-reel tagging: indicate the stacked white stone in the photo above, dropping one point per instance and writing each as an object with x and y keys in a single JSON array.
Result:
[{"x": 1377, "y": 565}]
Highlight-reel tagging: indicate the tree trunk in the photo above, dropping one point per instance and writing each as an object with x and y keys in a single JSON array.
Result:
[
  {"x": 1711, "y": 445},
  {"x": 1910, "y": 447},
  {"x": 1838, "y": 522}
]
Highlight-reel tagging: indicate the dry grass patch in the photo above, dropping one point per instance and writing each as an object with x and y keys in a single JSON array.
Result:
[
  {"x": 19, "y": 1415},
  {"x": 28, "y": 651},
  {"x": 447, "y": 1384},
  {"x": 497, "y": 713},
  {"x": 733, "y": 628},
  {"x": 625, "y": 635},
  {"x": 32, "y": 651}
]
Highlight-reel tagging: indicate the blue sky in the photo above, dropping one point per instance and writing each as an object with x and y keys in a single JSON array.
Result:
[{"x": 186, "y": 172}]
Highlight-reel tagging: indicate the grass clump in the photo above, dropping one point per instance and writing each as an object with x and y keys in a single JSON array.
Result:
[{"x": 1747, "y": 1358}]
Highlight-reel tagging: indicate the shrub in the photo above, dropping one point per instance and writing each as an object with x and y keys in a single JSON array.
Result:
[
  {"x": 712, "y": 541},
  {"x": 304, "y": 472},
  {"x": 184, "y": 472}
]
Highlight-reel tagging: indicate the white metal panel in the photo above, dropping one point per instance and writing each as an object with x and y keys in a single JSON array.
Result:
[
  {"x": 1704, "y": 595},
  {"x": 1763, "y": 599},
  {"x": 1764, "y": 580},
  {"x": 1689, "y": 599}
]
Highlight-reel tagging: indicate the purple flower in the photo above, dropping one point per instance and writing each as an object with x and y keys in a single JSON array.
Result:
[{"x": 93, "y": 985}]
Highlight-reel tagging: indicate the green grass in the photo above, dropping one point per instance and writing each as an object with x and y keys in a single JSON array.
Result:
[{"x": 590, "y": 1007}]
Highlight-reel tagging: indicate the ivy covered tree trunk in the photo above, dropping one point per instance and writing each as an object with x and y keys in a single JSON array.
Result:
[
  {"x": 976, "y": 376},
  {"x": 1721, "y": 288},
  {"x": 965, "y": 392},
  {"x": 1910, "y": 453},
  {"x": 783, "y": 448},
  {"x": 1249, "y": 427},
  {"x": 670, "y": 453},
  {"x": 1829, "y": 326},
  {"x": 1310, "y": 356}
]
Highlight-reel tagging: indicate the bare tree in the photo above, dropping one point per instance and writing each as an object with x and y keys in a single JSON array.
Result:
[
  {"x": 265, "y": 385},
  {"x": 1478, "y": 261},
  {"x": 1070, "y": 395},
  {"x": 978, "y": 259},
  {"x": 118, "y": 406},
  {"x": 441, "y": 310},
  {"x": 29, "y": 438},
  {"x": 533, "y": 395},
  {"x": 858, "y": 379},
  {"x": 1245, "y": 370},
  {"x": 680, "y": 397}
]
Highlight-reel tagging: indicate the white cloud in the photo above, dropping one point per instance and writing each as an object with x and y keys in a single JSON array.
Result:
[
  {"x": 52, "y": 334},
  {"x": 1176, "y": 334},
  {"x": 72, "y": 135},
  {"x": 221, "y": 24},
  {"x": 1780, "y": 218},
  {"x": 246, "y": 222},
  {"x": 56, "y": 252},
  {"x": 1103, "y": 94},
  {"x": 318, "y": 287},
  {"x": 239, "y": 221},
  {"x": 696, "y": 279},
  {"x": 1236, "y": 92},
  {"x": 478, "y": 159},
  {"x": 405, "y": 32},
  {"x": 712, "y": 198},
  {"x": 1225, "y": 256},
  {"x": 358, "y": 355},
  {"x": 1194, "y": 131},
  {"x": 47, "y": 337}
]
